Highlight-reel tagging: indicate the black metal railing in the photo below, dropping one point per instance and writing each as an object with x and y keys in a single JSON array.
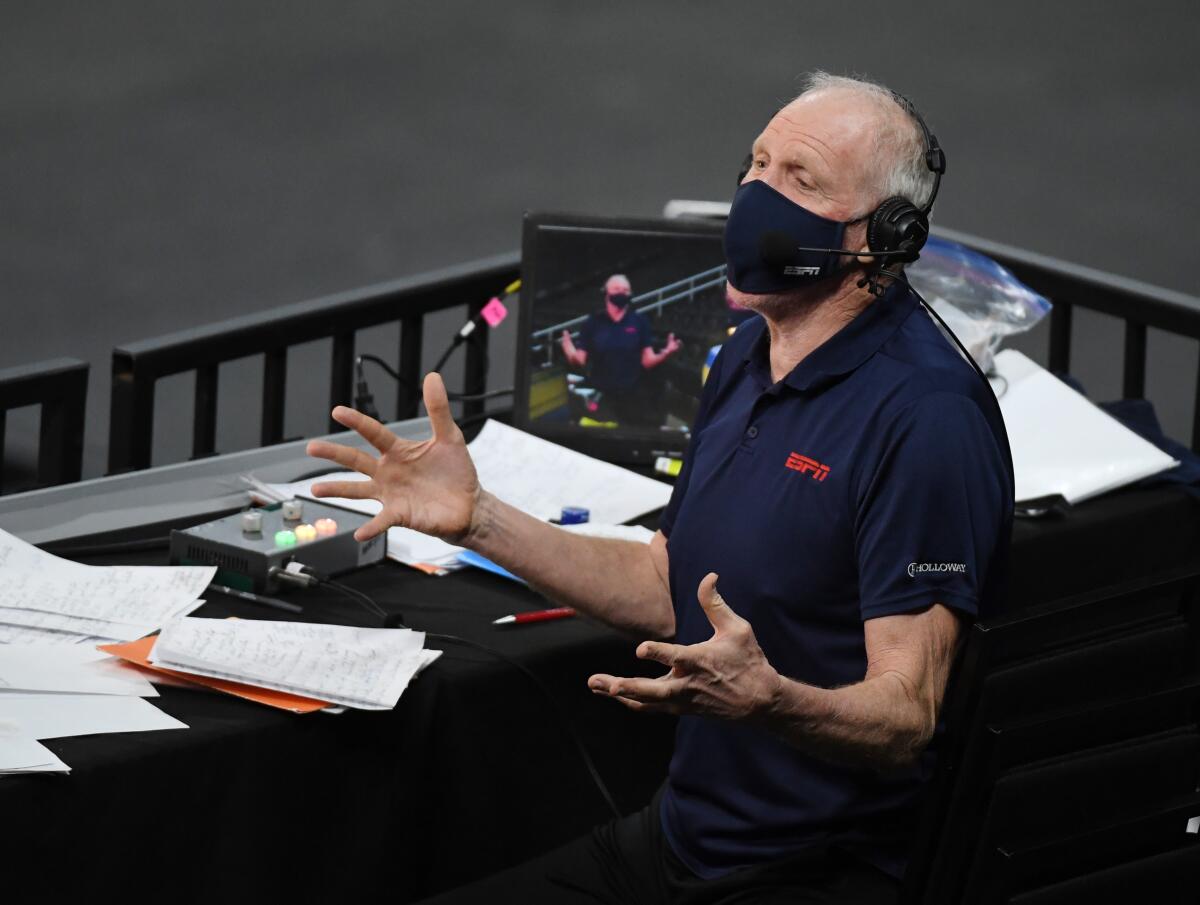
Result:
[
  {"x": 1140, "y": 305},
  {"x": 59, "y": 386},
  {"x": 136, "y": 367}
]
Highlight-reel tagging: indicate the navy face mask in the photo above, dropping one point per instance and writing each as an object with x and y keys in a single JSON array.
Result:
[
  {"x": 619, "y": 299},
  {"x": 761, "y": 236}
]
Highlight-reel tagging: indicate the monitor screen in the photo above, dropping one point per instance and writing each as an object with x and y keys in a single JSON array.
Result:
[{"x": 620, "y": 321}]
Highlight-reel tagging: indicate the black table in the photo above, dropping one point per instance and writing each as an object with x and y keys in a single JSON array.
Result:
[{"x": 471, "y": 772}]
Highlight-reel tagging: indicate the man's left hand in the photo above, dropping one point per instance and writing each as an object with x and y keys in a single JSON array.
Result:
[{"x": 727, "y": 676}]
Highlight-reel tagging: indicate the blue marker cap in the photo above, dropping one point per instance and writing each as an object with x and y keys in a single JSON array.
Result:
[{"x": 573, "y": 515}]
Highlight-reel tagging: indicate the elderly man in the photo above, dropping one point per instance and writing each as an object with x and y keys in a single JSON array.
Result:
[
  {"x": 847, "y": 490},
  {"x": 616, "y": 346}
]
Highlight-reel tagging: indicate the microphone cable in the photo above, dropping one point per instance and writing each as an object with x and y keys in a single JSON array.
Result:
[
  {"x": 562, "y": 719},
  {"x": 365, "y": 402},
  {"x": 396, "y": 620}
]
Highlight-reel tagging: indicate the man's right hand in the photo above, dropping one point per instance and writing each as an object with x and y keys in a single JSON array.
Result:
[{"x": 429, "y": 486}]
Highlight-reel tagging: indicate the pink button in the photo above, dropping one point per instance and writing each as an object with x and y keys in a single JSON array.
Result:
[{"x": 325, "y": 527}]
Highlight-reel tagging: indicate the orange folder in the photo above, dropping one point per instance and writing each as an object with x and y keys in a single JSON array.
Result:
[{"x": 138, "y": 653}]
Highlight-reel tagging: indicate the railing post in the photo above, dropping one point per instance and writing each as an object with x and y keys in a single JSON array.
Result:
[
  {"x": 1196, "y": 416},
  {"x": 274, "y": 395},
  {"x": 60, "y": 435},
  {"x": 1060, "y": 337},
  {"x": 204, "y": 412},
  {"x": 475, "y": 373},
  {"x": 1134, "y": 383},
  {"x": 341, "y": 376},
  {"x": 131, "y": 418},
  {"x": 408, "y": 392}
]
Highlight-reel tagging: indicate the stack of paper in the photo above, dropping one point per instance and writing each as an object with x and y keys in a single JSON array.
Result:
[
  {"x": 1062, "y": 443},
  {"x": 53, "y": 691},
  {"x": 48, "y": 600},
  {"x": 532, "y": 474},
  {"x": 365, "y": 668}
]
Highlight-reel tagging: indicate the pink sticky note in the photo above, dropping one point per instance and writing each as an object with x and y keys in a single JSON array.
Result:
[{"x": 494, "y": 312}]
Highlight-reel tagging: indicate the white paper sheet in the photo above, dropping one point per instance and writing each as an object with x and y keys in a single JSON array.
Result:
[
  {"x": 635, "y": 533},
  {"x": 367, "y": 668},
  {"x": 45, "y": 716},
  {"x": 540, "y": 477},
  {"x": 79, "y": 625},
  {"x": 23, "y": 634},
  {"x": 74, "y": 669},
  {"x": 136, "y": 595},
  {"x": 1061, "y": 442},
  {"x": 21, "y": 753}
]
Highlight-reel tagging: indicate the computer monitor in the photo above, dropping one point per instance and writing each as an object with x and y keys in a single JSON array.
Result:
[{"x": 632, "y": 394}]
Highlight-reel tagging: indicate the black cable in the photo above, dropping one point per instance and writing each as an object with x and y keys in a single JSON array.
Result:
[
  {"x": 458, "y": 341},
  {"x": 586, "y": 757},
  {"x": 453, "y": 397},
  {"x": 480, "y": 397},
  {"x": 376, "y": 360},
  {"x": 396, "y": 620},
  {"x": 368, "y": 604}
]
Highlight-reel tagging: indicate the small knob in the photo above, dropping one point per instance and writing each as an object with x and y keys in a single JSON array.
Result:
[
  {"x": 293, "y": 510},
  {"x": 252, "y": 522}
]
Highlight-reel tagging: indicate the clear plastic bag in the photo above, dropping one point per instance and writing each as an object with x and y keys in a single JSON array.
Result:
[{"x": 981, "y": 301}]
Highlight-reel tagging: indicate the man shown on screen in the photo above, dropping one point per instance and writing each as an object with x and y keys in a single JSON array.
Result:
[{"x": 616, "y": 345}]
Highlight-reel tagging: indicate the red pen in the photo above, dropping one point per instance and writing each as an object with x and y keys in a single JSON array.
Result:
[{"x": 561, "y": 612}]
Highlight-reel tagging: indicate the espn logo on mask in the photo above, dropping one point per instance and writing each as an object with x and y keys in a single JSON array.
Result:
[
  {"x": 794, "y": 270},
  {"x": 805, "y": 465}
]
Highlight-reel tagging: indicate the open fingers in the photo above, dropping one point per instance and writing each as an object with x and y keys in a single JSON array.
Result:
[
  {"x": 347, "y": 456},
  {"x": 661, "y": 652},
  {"x": 651, "y": 691},
  {"x": 644, "y": 707},
  {"x": 437, "y": 404},
  {"x": 366, "y": 427},
  {"x": 719, "y": 614},
  {"x": 375, "y": 526},
  {"x": 346, "y": 490}
]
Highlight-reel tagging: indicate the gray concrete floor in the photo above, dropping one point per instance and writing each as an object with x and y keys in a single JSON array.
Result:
[{"x": 170, "y": 164}]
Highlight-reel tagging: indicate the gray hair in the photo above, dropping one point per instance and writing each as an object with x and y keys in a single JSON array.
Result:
[{"x": 899, "y": 143}]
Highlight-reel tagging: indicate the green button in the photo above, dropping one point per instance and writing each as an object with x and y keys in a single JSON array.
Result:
[{"x": 285, "y": 538}]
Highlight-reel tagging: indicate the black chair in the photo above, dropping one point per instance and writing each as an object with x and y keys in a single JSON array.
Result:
[
  {"x": 1071, "y": 746},
  {"x": 59, "y": 386}
]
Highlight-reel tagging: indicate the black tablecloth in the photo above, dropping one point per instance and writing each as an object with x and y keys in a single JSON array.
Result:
[{"x": 472, "y": 771}]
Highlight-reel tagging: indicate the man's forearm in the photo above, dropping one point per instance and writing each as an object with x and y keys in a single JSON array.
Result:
[
  {"x": 880, "y": 723},
  {"x": 614, "y": 581}
]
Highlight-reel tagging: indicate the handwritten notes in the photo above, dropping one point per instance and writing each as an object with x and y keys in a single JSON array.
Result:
[
  {"x": 366, "y": 668},
  {"x": 43, "y": 596}
]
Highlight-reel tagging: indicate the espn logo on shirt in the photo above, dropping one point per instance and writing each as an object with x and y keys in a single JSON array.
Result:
[{"x": 805, "y": 465}]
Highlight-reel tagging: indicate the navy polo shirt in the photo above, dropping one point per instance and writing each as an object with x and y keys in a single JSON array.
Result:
[
  {"x": 874, "y": 479},
  {"x": 614, "y": 349}
]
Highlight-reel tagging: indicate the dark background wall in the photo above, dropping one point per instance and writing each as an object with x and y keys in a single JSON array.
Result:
[{"x": 168, "y": 164}]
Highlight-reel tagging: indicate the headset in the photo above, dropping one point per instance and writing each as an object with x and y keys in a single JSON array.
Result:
[{"x": 898, "y": 229}]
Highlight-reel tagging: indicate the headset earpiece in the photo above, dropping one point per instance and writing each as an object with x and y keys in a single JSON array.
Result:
[{"x": 898, "y": 225}]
